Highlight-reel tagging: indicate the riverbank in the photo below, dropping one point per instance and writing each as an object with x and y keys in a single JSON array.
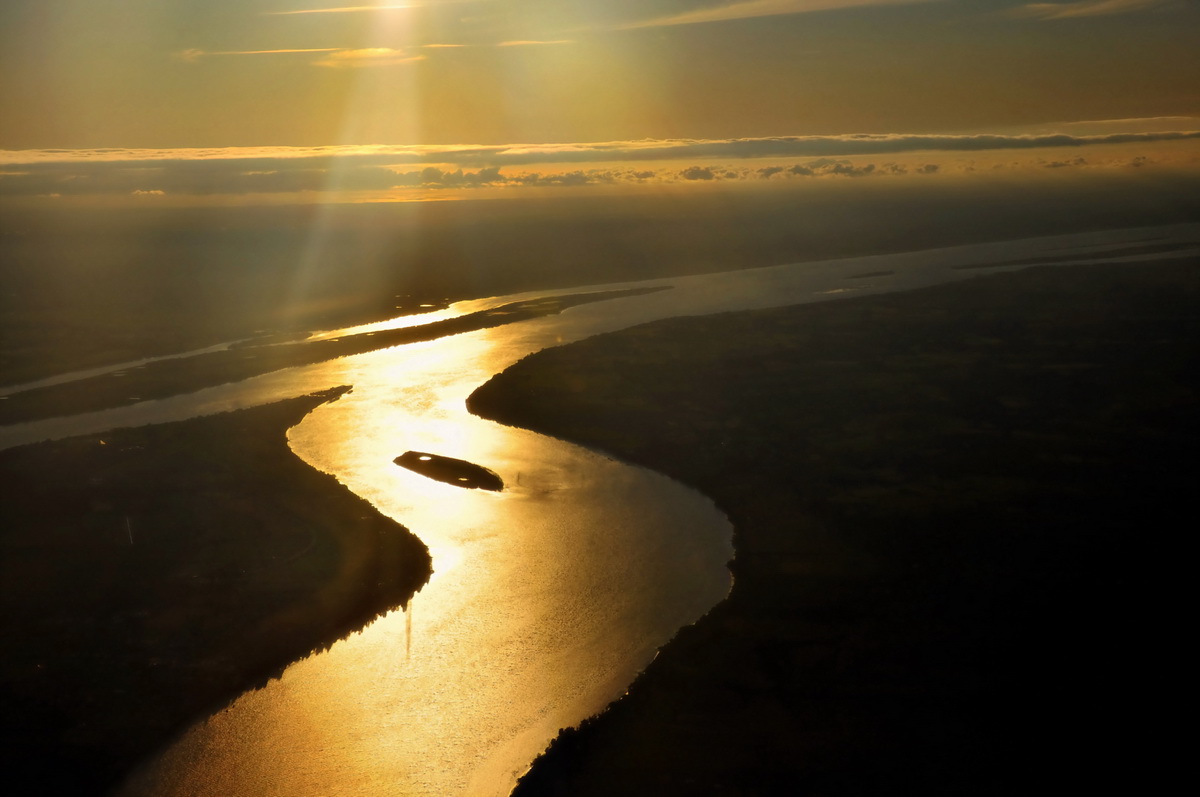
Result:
[
  {"x": 174, "y": 376},
  {"x": 955, "y": 515},
  {"x": 153, "y": 574}
]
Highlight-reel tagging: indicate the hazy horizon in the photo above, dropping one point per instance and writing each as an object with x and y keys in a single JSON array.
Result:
[{"x": 146, "y": 103}]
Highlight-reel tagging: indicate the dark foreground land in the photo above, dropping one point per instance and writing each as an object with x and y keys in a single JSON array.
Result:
[
  {"x": 959, "y": 515},
  {"x": 150, "y": 575}
]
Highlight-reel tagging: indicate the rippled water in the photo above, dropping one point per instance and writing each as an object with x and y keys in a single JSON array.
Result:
[
  {"x": 547, "y": 598},
  {"x": 545, "y": 601}
]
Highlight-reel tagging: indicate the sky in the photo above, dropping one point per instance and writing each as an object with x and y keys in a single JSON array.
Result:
[{"x": 297, "y": 100}]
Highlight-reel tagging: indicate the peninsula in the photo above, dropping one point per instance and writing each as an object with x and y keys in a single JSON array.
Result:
[
  {"x": 955, "y": 513},
  {"x": 153, "y": 574}
]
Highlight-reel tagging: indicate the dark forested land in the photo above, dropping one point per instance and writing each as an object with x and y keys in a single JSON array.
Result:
[
  {"x": 959, "y": 517},
  {"x": 150, "y": 575}
]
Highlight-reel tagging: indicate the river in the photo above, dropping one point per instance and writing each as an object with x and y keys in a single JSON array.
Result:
[{"x": 548, "y": 598}]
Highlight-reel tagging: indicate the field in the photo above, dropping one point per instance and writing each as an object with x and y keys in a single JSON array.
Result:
[{"x": 957, "y": 522}]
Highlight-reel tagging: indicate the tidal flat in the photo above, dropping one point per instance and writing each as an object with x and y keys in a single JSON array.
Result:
[
  {"x": 957, "y": 518},
  {"x": 153, "y": 574}
]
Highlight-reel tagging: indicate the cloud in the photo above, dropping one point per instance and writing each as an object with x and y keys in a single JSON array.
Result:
[
  {"x": 569, "y": 178},
  {"x": 268, "y": 158},
  {"x": 432, "y": 177},
  {"x": 794, "y": 146},
  {"x": 846, "y": 169},
  {"x": 1146, "y": 124},
  {"x": 1133, "y": 121},
  {"x": 340, "y": 10},
  {"x": 1065, "y": 164},
  {"x": 334, "y": 56},
  {"x": 533, "y": 42},
  {"x": 368, "y": 56},
  {"x": 697, "y": 173},
  {"x": 301, "y": 176},
  {"x": 340, "y": 169},
  {"x": 1086, "y": 8},
  {"x": 194, "y": 55},
  {"x": 748, "y": 9}
]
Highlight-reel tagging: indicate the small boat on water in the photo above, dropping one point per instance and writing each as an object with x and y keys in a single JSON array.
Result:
[{"x": 458, "y": 472}]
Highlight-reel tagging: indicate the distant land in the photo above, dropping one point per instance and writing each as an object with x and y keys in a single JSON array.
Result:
[
  {"x": 957, "y": 519},
  {"x": 89, "y": 287},
  {"x": 185, "y": 374}
]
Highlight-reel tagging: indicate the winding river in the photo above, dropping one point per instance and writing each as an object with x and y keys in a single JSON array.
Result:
[{"x": 547, "y": 598}]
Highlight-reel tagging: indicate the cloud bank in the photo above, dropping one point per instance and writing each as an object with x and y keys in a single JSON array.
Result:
[
  {"x": 337, "y": 170},
  {"x": 331, "y": 56},
  {"x": 1087, "y": 8},
  {"x": 193, "y": 55},
  {"x": 341, "y": 10},
  {"x": 368, "y": 56},
  {"x": 640, "y": 150},
  {"x": 749, "y": 9}
]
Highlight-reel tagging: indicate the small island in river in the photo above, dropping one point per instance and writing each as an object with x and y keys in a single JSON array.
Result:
[
  {"x": 957, "y": 523},
  {"x": 458, "y": 472}
]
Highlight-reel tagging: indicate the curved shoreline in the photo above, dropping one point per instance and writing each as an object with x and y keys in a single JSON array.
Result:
[
  {"x": 932, "y": 495},
  {"x": 172, "y": 376},
  {"x": 165, "y": 571}
]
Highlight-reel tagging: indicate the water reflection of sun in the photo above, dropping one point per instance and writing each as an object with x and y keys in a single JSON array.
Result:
[{"x": 534, "y": 619}]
